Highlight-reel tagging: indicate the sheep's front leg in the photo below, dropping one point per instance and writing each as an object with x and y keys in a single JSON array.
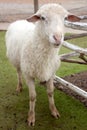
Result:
[
  {"x": 32, "y": 95},
  {"x": 50, "y": 90}
]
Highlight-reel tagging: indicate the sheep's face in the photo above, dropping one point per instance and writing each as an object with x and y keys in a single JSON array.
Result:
[
  {"x": 52, "y": 27},
  {"x": 50, "y": 19}
]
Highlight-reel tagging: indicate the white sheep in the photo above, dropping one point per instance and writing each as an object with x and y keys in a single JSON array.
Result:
[{"x": 33, "y": 49}]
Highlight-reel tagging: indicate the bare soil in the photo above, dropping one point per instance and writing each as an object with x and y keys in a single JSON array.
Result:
[
  {"x": 80, "y": 80},
  {"x": 12, "y": 10}
]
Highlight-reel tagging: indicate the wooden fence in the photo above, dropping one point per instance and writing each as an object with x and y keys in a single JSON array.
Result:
[
  {"x": 35, "y": 5},
  {"x": 77, "y": 51}
]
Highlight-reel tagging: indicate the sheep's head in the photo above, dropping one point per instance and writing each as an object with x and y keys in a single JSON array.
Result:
[{"x": 50, "y": 19}]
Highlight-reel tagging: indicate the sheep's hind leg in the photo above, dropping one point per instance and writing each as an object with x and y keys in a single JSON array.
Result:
[
  {"x": 19, "y": 85},
  {"x": 32, "y": 95},
  {"x": 50, "y": 90}
]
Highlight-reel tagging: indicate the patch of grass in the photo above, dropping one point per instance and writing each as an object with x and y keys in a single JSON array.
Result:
[
  {"x": 14, "y": 108},
  {"x": 70, "y": 68}
]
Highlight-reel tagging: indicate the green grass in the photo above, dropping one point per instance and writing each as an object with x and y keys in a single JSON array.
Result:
[
  {"x": 14, "y": 108},
  {"x": 67, "y": 69}
]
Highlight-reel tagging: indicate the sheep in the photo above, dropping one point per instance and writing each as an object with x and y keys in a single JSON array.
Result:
[{"x": 33, "y": 46}]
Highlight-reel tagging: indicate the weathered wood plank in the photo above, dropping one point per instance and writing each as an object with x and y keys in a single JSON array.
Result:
[
  {"x": 83, "y": 17},
  {"x": 73, "y": 61},
  {"x": 75, "y": 36},
  {"x": 35, "y": 6},
  {"x": 71, "y": 86},
  {"x": 68, "y": 55},
  {"x": 76, "y": 25},
  {"x": 74, "y": 48}
]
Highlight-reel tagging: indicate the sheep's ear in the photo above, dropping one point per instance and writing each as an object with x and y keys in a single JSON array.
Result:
[
  {"x": 73, "y": 18},
  {"x": 33, "y": 18}
]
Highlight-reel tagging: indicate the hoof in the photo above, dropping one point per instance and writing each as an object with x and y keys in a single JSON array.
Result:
[
  {"x": 55, "y": 113},
  {"x": 19, "y": 89},
  {"x": 31, "y": 119}
]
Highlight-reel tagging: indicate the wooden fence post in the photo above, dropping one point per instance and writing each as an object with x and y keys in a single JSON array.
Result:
[{"x": 35, "y": 5}]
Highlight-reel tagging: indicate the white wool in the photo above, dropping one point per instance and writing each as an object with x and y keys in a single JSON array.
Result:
[
  {"x": 28, "y": 45},
  {"x": 16, "y": 37},
  {"x": 39, "y": 61}
]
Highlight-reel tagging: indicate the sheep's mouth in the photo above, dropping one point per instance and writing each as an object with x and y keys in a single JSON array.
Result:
[{"x": 57, "y": 44}]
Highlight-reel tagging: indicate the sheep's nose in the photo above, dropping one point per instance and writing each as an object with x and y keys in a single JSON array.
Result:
[{"x": 57, "y": 39}]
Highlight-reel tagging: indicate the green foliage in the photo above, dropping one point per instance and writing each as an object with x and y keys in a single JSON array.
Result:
[{"x": 14, "y": 108}]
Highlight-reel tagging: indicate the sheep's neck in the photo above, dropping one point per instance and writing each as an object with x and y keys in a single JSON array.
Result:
[{"x": 42, "y": 43}]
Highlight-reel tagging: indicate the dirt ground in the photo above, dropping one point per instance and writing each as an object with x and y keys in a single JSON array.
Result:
[
  {"x": 11, "y": 10},
  {"x": 80, "y": 80}
]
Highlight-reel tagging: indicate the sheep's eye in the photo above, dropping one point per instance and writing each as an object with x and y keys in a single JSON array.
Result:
[{"x": 42, "y": 18}]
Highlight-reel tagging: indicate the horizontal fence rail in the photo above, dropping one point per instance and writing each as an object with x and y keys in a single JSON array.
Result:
[{"x": 71, "y": 86}]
